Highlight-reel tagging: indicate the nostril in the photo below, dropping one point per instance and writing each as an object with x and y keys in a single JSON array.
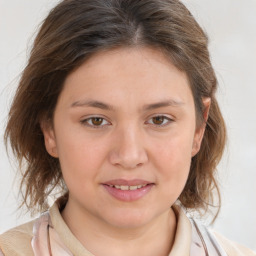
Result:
[{"x": 128, "y": 160}]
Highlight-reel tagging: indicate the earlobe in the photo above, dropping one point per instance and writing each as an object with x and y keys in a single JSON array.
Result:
[
  {"x": 199, "y": 133},
  {"x": 49, "y": 139}
]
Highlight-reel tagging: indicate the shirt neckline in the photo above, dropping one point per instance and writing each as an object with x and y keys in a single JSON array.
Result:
[{"x": 181, "y": 245}]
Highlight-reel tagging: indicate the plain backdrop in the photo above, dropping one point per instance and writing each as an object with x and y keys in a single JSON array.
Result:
[{"x": 231, "y": 27}]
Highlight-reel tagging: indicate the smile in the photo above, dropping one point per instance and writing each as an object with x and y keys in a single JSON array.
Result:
[
  {"x": 128, "y": 190},
  {"x": 125, "y": 187}
]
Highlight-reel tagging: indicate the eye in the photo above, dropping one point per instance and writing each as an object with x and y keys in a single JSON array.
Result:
[
  {"x": 95, "y": 122},
  {"x": 160, "y": 120}
]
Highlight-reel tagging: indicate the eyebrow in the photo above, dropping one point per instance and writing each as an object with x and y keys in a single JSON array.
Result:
[
  {"x": 167, "y": 103},
  {"x": 104, "y": 106},
  {"x": 93, "y": 104}
]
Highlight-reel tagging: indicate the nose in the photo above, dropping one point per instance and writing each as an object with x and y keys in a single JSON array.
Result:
[{"x": 128, "y": 148}]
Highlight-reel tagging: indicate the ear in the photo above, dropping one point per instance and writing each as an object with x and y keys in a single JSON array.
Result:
[
  {"x": 199, "y": 133},
  {"x": 49, "y": 138}
]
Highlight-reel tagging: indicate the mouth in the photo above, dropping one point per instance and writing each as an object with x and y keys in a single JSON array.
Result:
[
  {"x": 125, "y": 187},
  {"x": 128, "y": 190}
]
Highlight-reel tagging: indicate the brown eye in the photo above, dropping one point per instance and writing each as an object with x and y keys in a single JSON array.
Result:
[
  {"x": 97, "y": 121},
  {"x": 158, "y": 120}
]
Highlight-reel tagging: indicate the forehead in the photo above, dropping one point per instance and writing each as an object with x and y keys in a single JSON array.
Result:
[{"x": 138, "y": 75}]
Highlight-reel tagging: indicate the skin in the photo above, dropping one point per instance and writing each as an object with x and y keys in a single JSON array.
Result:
[{"x": 133, "y": 139}]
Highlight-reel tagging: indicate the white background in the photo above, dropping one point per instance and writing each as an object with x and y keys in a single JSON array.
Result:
[{"x": 231, "y": 26}]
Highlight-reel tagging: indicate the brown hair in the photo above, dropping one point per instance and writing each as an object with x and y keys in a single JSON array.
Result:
[{"x": 73, "y": 32}]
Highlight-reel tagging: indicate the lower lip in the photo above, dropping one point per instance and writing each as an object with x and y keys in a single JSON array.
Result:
[{"x": 128, "y": 195}]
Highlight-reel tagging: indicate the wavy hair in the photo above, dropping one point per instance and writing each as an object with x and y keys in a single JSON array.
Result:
[{"x": 73, "y": 32}]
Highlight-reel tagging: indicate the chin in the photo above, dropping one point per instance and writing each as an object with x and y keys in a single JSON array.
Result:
[{"x": 129, "y": 219}]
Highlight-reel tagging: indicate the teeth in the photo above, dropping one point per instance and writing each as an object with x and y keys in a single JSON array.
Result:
[
  {"x": 124, "y": 187},
  {"x": 133, "y": 187}
]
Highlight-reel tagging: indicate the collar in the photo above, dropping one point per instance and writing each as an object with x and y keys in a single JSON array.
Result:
[
  {"x": 51, "y": 236},
  {"x": 181, "y": 246}
]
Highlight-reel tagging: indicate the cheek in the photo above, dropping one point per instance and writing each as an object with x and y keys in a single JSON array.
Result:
[
  {"x": 173, "y": 170},
  {"x": 80, "y": 157},
  {"x": 174, "y": 159}
]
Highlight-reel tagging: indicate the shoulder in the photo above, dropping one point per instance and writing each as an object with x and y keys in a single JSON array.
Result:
[
  {"x": 214, "y": 243},
  {"x": 232, "y": 248},
  {"x": 17, "y": 241}
]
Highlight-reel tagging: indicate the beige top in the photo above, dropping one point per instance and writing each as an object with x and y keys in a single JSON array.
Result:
[{"x": 17, "y": 241}]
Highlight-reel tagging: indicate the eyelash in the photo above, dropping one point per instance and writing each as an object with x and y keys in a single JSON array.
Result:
[
  {"x": 167, "y": 120},
  {"x": 86, "y": 121}
]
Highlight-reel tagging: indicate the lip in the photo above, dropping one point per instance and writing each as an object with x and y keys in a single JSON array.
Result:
[
  {"x": 134, "y": 182},
  {"x": 128, "y": 195}
]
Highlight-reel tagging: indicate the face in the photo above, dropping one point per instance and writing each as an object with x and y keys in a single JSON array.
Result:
[{"x": 124, "y": 131}]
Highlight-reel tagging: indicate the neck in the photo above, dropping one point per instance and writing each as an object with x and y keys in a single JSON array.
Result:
[{"x": 154, "y": 238}]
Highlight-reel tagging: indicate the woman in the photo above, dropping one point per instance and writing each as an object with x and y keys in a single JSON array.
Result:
[{"x": 116, "y": 109}]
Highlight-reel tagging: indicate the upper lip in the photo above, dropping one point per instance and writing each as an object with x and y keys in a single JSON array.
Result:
[{"x": 134, "y": 182}]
